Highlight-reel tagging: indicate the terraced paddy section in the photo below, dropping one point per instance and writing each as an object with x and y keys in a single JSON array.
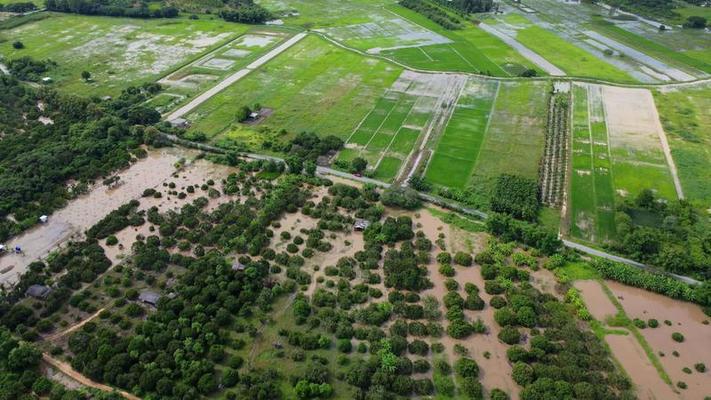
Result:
[
  {"x": 496, "y": 128},
  {"x": 459, "y": 147},
  {"x": 618, "y": 150},
  {"x": 415, "y": 108},
  {"x": 313, "y": 86},
  {"x": 470, "y": 49},
  {"x": 118, "y": 52},
  {"x": 685, "y": 114}
]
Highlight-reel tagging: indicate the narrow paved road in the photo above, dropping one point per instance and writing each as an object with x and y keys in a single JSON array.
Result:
[{"x": 234, "y": 78}]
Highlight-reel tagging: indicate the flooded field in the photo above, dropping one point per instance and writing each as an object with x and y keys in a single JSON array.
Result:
[
  {"x": 685, "y": 318},
  {"x": 195, "y": 173},
  {"x": 82, "y": 213},
  {"x": 596, "y": 300}
]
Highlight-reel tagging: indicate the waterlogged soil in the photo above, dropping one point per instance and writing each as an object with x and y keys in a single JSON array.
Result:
[
  {"x": 595, "y": 299},
  {"x": 687, "y": 319},
  {"x": 83, "y": 212},
  {"x": 195, "y": 173},
  {"x": 486, "y": 349},
  {"x": 648, "y": 384}
]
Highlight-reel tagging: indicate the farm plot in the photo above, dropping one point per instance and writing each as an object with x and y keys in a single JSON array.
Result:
[
  {"x": 638, "y": 144},
  {"x": 617, "y": 151},
  {"x": 459, "y": 147},
  {"x": 385, "y": 33},
  {"x": 470, "y": 49},
  {"x": 414, "y": 105},
  {"x": 313, "y": 86},
  {"x": 592, "y": 200},
  {"x": 215, "y": 66},
  {"x": 685, "y": 114},
  {"x": 118, "y": 52},
  {"x": 570, "y": 58},
  {"x": 515, "y": 140}
]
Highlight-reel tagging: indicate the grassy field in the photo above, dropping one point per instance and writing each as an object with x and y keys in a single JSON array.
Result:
[
  {"x": 314, "y": 86},
  {"x": 471, "y": 50},
  {"x": 686, "y": 117},
  {"x": 118, "y": 52},
  {"x": 325, "y": 13},
  {"x": 592, "y": 193},
  {"x": 682, "y": 59},
  {"x": 459, "y": 147},
  {"x": 570, "y": 58}
]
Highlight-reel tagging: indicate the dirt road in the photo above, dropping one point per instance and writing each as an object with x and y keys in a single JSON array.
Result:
[
  {"x": 73, "y": 328},
  {"x": 234, "y": 78},
  {"x": 69, "y": 371}
]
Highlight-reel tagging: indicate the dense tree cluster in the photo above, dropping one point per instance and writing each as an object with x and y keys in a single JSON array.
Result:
[
  {"x": 678, "y": 240},
  {"x": 21, "y": 378},
  {"x": 19, "y": 7},
  {"x": 468, "y": 6},
  {"x": 28, "y": 69},
  {"x": 112, "y": 8},
  {"x": 516, "y": 196},
  {"x": 509, "y": 229},
  {"x": 246, "y": 12},
  {"x": 87, "y": 140},
  {"x": 563, "y": 361},
  {"x": 433, "y": 12}
]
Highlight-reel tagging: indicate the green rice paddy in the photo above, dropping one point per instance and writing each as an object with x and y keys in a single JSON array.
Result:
[
  {"x": 686, "y": 117},
  {"x": 592, "y": 194},
  {"x": 458, "y": 149},
  {"x": 471, "y": 50},
  {"x": 570, "y": 58},
  {"x": 313, "y": 86}
]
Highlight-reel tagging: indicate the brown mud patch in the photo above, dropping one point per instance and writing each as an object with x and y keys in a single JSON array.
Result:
[
  {"x": 596, "y": 299},
  {"x": 686, "y": 318}
]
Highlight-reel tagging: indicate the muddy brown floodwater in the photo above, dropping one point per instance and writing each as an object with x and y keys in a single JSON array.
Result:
[
  {"x": 686, "y": 318},
  {"x": 85, "y": 211},
  {"x": 596, "y": 300}
]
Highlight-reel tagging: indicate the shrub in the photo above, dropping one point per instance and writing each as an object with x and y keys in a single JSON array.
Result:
[
  {"x": 652, "y": 323},
  {"x": 463, "y": 259},
  {"x": 677, "y": 337},
  {"x": 466, "y": 368},
  {"x": 111, "y": 240},
  {"x": 700, "y": 367},
  {"x": 447, "y": 270},
  {"x": 444, "y": 258},
  {"x": 498, "y": 394},
  {"x": 510, "y": 335},
  {"x": 497, "y": 302}
]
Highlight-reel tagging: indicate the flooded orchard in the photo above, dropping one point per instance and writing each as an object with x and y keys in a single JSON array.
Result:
[
  {"x": 673, "y": 316},
  {"x": 83, "y": 212}
]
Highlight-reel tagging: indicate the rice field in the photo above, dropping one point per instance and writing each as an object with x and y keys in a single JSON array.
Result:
[
  {"x": 404, "y": 116},
  {"x": 458, "y": 149},
  {"x": 686, "y": 117},
  {"x": 592, "y": 191},
  {"x": 314, "y": 86},
  {"x": 469, "y": 50},
  {"x": 572, "y": 59},
  {"x": 496, "y": 128},
  {"x": 118, "y": 52},
  {"x": 617, "y": 153}
]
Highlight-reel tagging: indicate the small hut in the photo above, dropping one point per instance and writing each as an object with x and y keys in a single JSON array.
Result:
[
  {"x": 361, "y": 225},
  {"x": 38, "y": 291},
  {"x": 148, "y": 297},
  {"x": 238, "y": 266}
]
